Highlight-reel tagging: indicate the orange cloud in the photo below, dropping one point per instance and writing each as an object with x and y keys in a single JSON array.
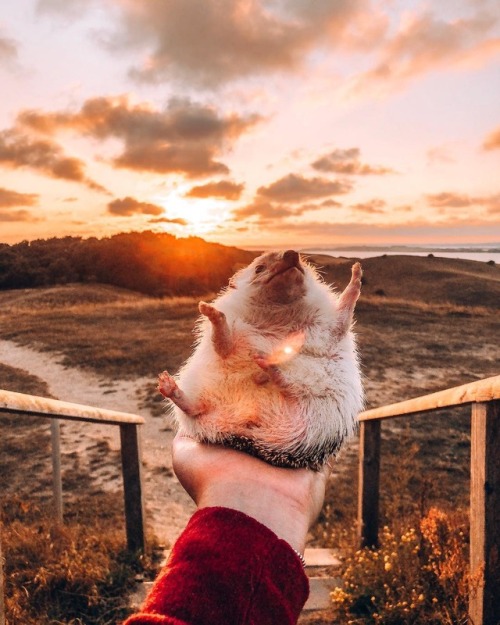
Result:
[
  {"x": 221, "y": 189},
  {"x": 295, "y": 188},
  {"x": 265, "y": 211},
  {"x": 372, "y": 207},
  {"x": 347, "y": 162},
  {"x": 130, "y": 206},
  {"x": 244, "y": 37},
  {"x": 425, "y": 43},
  {"x": 10, "y": 198},
  {"x": 17, "y": 215},
  {"x": 449, "y": 199},
  {"x": 19, "y": 150},
  {"x": 185, "y": 138},
  {"x": 492, "y": 141},
  {"x": 8, "y": 50},
  {"x": 166, "y": 220}
]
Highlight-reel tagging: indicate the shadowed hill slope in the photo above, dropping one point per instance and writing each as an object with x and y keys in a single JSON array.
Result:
[{"x": 428, "y": 280}]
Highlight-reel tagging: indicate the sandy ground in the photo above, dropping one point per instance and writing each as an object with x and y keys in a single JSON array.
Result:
[{"x": 168, "y": 507}]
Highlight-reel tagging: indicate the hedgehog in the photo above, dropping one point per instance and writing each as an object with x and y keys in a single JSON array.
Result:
[{"x": 275, "y": 370}]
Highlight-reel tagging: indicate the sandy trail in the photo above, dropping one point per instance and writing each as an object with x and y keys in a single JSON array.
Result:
[{"x": 167, "y": 505}]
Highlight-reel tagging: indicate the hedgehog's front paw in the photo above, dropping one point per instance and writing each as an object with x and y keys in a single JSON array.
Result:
[
  {"x": 166, "y": 384},
  {"x": 262, "y": 360},
  {"x": 356, "y": 273},
  {"x": 215, "y": 316}
]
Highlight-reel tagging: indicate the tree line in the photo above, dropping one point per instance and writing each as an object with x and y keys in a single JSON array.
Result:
[{"x": 152, "y": 263}]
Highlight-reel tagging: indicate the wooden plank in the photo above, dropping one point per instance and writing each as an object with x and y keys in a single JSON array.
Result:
[
  {"x": 479, "y": 391},
  {"x": 316, "y": 557},
  {"x": 45, "y": 407},
  {"x": 132, "y": 487},
  {"x": 368, "y": 485},
  {"x": 484, "y": 603}
]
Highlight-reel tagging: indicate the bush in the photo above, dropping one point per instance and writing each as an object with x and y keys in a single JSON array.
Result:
[
  {"x": 417, "y": 575},
  {"x": 75, "y": 574}
]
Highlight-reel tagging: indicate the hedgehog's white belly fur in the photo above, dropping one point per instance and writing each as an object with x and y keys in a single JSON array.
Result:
[{"x": 322, "y": 405}]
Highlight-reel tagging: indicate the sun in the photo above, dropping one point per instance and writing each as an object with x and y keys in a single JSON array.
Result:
[{"x": 202, "y": 215}]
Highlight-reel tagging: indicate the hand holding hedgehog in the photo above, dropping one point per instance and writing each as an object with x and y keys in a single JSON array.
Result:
[{"x": 275, "y": 370}]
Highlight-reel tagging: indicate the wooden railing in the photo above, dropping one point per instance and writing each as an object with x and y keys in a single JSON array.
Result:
[
  {"x": 484, "y": 397},
  {"x": 56, "y": 410}
]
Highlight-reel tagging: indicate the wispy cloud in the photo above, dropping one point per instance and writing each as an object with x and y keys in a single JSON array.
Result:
[
  {"x": 295, "y": 188},
  {"x": 244, "y": 37},
  {"x": 10, "y": 198},
  {"x": 221, "y": 189},
  {"x": 347, "y": 162},
  {"x": 375, "y": 206},
  {"x": 425, "y": 43},
  {"x": 8, "y": 52},
  {"x": 42, "y": 155},
  {"x": 178, "y": 221},
  {"x": 492, "y": 141},
  {"x": 450, "y": 199},
  {"x": 264, "y": 212},
  {"x": 130, "y": 206},
  {"x": 185, "y": 138}
]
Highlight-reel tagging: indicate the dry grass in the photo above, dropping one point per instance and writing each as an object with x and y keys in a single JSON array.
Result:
[
  {"x": 77, "y": 574},
  {"x": 133, "y": 335}
]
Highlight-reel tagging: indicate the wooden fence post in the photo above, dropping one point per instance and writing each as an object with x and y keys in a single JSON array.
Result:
[
  {"x": 132, "y": 486},
  {"x": 368, "y": 485},
  {"x": 484, "y": 602},
  {"x": 55, "y": 435}
]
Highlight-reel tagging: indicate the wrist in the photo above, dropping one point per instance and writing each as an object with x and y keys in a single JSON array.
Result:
[{"x": 265, "y": 505}]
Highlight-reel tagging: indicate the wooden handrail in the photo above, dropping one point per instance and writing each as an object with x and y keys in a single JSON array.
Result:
[
  {"x": 479, "y": 391},
  {"x": 56, "y": 410},
  {"x": 484, "y": 396},
  {"x": 45, "y": 407}
]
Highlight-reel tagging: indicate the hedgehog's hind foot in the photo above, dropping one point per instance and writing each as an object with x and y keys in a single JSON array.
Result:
[{"x": 169, "y": 389}]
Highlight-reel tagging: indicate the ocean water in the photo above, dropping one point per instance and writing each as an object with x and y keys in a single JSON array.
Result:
[{"x": 364, "y": 253}]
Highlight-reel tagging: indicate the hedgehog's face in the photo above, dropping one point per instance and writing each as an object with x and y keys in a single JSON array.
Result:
[{"x": 274, "y": 278}]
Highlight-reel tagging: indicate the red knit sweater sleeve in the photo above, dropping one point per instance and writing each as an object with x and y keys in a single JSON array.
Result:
[{"x": 226, "y": 569}]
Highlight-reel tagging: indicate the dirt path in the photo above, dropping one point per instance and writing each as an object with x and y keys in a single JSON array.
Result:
[{"x": 167, "y": 505}]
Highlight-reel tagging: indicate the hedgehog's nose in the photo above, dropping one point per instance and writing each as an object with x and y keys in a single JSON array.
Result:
[{"x": 291, "y": 257}]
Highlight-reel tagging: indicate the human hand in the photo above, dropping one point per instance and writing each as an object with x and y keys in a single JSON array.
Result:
[{"x": 287, "y": 501}]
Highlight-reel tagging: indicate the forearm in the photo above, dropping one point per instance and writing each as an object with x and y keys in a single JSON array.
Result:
[{"x": 227, "y": 569}]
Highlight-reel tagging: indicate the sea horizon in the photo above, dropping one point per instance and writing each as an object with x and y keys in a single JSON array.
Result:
[{"x": 482, "y": 252}]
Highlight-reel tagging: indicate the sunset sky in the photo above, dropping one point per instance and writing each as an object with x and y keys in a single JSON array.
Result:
[{"x": 276, "y": 122}]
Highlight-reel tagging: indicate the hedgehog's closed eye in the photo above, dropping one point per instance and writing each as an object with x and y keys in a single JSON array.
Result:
[{"x": 259, "y": 268}]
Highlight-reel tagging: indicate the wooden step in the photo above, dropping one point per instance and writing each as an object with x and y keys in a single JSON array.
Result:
[
  {"x": 314, "y": 557},
  {"x": 320, "y": 587},
  {"x": 319, "y": 596}
]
